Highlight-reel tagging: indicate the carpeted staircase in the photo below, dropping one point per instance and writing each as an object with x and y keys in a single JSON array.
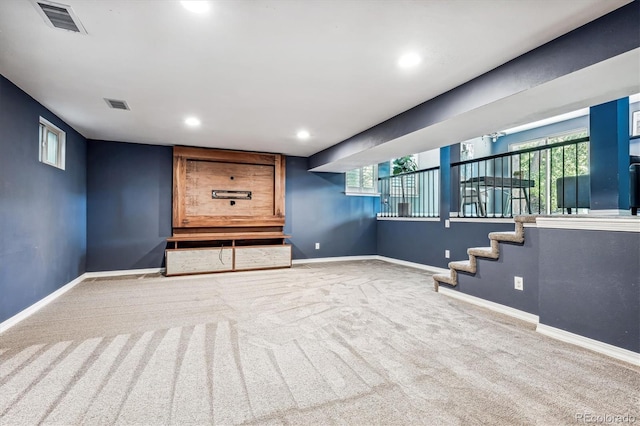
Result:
[{"x": 491, "y": 252}]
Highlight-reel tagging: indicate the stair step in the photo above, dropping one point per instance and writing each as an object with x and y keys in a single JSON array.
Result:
[
  {"x": 492, "y": 252},
  {"x": 444, "y": 278},
  {"x": 525, "y": 219},
  {"x": 452, "y": 280},
  {"x": 510, "y": 236},
  {"x": 483, "y": 252},
  {"x": 463, "y": 265}
]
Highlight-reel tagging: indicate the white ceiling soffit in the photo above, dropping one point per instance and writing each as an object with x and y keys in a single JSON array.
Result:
[
  {"x": 256, "y": 72},
  {"x": 612, "y": 79}
]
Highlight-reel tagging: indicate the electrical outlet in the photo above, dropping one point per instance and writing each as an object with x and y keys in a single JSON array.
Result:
[
  {"x": 317, "y": 246},
  {"x": 518, "y": 283},
  {"x": 447, "y": 223},
  {"x": 447, "y": 254}
]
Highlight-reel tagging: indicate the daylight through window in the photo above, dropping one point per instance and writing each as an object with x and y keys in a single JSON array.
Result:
[
  {"x": 52, "y": 144},
  {"x": 362, "y": 181}
]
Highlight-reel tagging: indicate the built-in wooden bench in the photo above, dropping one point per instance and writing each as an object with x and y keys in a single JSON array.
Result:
[{"x": 201, "y": 253}]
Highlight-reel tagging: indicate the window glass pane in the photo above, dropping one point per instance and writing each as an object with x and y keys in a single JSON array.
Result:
[
  {"x": 528, "y": 144},
  {"x": 52, "y": 147},
  {"x": 363, "y": 180},
  {"x": 353, "y": 178},
  {"x": 368, "y": 177}
]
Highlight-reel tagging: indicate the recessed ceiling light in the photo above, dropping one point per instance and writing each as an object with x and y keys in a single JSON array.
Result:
[
  {"x": 303, "y": 135},
  {"x": 196, "y": 6},
  {"x": 192, "y": 121},
  {"x": 409, "y": 60}
]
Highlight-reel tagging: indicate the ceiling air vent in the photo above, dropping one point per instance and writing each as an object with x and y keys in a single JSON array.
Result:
[
  {"x": 116, "y": 104},
  {"x": 59, "y": 15}
]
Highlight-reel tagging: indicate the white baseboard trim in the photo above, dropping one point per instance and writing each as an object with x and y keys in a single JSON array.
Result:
[
  {"x": 27, "y": 312},
  {"x": 333, "y": 259},
  {"x": 591, "y": 344},
  {"x": 119, "y": 273},
  {"x": 496, "y": 307},
  {"x": 429, "y": 268}
]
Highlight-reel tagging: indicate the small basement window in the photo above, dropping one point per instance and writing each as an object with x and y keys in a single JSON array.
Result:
[
  {"x": 52, "y": 144},
  {"x": 362, "y": 181}
]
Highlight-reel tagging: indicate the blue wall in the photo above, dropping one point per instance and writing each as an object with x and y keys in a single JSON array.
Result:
[
  {"x": 129, "y": 190},
  {"x": 609, "y": 155},
  {"x": 129, "y": 209},
  {"x": 493, "y": 280},
  {"x": 318, "y": 211},
  {"x": 590, "y": 284},
  {"x": 42, "y": 208},
  {"x": 425, "y": 241}
]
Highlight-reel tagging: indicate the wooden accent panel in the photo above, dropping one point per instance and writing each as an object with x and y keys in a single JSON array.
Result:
[
  {"x": 204, "y": 176},
  {"x": 225, "y": 156},
  {"x": 199, "y": 260},
  {"x": 279, "y": 186},
  {"x": 198, "y": 171},
  {"x": 262, "y": 257},
  {"x": 227, "y": 230},
  {"x": 228, "y": 236}
]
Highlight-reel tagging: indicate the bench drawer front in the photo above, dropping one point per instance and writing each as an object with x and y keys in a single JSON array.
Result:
[
  {"x": 199, "y": 260},
  {"x": 263, "y": 257}
]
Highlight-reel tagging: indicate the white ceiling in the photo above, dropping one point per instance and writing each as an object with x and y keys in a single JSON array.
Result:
[
  {"x": 256, "y": 72},
  {"x": 605, "y": 81}
]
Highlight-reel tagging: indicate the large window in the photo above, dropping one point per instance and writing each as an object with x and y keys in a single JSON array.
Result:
[
  {"x": 549, "y": 165},
  {"x": 52, "y": 144},
  {"x": 362, "y": 181}
]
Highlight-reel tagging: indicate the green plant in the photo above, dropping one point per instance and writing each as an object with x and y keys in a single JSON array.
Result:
[{"x": 401, "y": 166}]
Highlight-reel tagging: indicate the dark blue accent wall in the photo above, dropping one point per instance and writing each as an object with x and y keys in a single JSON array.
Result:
[
  {"x": 128, "y": 205},
  {"x": 42, "y": 208},
  {"x": 447, "y": 198},
  {"x": 493, "y": 280},
  {"x": 590, "y": 284},
  {"x": 318, "y": 211},
  {"x": 424, "y": 242},
  {"x": 609, "y": 155},
  {"x": 129, "y": 209}
]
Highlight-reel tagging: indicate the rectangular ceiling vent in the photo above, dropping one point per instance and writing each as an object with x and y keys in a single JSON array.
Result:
[
  {"x": 58, "y": 15},
  {"x": 116, "y": 104}
]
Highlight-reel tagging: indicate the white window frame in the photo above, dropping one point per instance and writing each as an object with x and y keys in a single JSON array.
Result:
[
  {"x": 45, "y": 127},
  {"x": 361, "y": 190}
]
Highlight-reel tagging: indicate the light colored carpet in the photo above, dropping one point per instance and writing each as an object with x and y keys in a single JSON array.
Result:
[{"x": 355, "y": 343}]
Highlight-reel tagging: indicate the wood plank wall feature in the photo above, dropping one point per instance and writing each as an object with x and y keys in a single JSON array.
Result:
[{"x": 199, "y": 171}]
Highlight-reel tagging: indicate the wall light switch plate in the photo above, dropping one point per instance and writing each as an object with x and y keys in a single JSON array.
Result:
[
  {"x": 317, "y": 246},
  {"x": 447, "y": 254},
  {"x": 447, "y": 223},
  {"x": 518, "y": 283}
]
